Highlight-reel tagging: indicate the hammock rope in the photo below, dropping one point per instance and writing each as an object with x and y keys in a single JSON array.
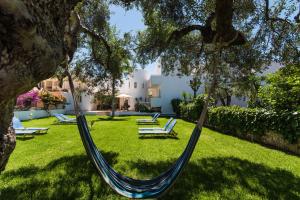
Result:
[{"x": 126, "y": 186}]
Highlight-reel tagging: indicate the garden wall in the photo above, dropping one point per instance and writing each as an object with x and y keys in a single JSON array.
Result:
[{"x": 35, "y": 114}]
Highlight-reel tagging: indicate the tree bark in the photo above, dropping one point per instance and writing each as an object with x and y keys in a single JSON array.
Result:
[
  {"x": 8, "y": 137},
  {"x": 226, "y": 33},
  {"x": 228, "y": 100},
  {"x": 222, "y": 100},
  {"x": 32, "y": 45}
]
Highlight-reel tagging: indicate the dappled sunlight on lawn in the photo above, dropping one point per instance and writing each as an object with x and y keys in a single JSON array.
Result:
[{"x": 55, "y": 166}]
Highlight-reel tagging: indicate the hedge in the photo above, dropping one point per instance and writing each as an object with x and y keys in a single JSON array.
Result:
[
  {"x": 242, "y": 121},
  {"x": 191, "y": 111},
  {"x": 176, "y": 106}
]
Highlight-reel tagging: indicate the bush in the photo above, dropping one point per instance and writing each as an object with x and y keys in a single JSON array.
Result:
[
  {"x": 192, "y": 111},
  {"x": 241, "y": 121},
  {"x": 176, "y": 106},
  {"x": 141, "y": 107},
  {"x": 27, "y": 100},
  {"x": 50, "y": 99},
  {"x": 103, "y": 100},
  {"x": 282, "y": 91}
]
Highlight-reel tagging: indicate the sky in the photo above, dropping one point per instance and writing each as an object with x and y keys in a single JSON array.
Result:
[{"x": 128, "y": 21}]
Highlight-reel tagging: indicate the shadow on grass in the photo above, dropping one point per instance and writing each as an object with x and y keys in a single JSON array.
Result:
[
  {"x": 74, "y": 177},
  {"x": 112, "y": 119},
  {"x": 70, "y": 177},
  {"x": 24, "y": 138},
  {"x": 40, "y": 133},
  {"x": 228, "y": 177},
  {"x": 143, "y": 137},
  {"x": 147, "y": 124}
]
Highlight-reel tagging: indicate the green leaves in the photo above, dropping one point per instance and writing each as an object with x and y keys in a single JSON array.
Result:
[
  {"x": 107, "y": 55},
  {"x": 243, "y": 121},
  {"x": 282, "y": 91}
]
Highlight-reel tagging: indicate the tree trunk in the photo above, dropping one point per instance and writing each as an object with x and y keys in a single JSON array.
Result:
[
  {"x": 113, "y": 103},
  {"x": 226, "y": 33},
  {"x": 7, "y": 134},
  {"x": 222, "y": 101},
  {"x": 195, "y": 94},
  {"x": 228, "y": 100},
  {"x": 32, "y": 46}
]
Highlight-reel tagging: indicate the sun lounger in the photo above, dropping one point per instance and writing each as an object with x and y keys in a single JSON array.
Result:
[
  {"x": 17, "y": 125},
  {"x": 157, "y": 128},
  {"x": 168, "y": 131},
  {"x": 153, "y": 120},
  {"x": 25, "y": 132},
  {"x": 66, "y": 117},
  {"x": 63, "y": 120}
]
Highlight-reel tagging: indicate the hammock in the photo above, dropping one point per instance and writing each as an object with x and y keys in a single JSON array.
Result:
[{"x": 125, "y": 186}]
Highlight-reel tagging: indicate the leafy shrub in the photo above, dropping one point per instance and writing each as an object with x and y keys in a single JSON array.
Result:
[
  {"x": 241, "y": 121},
  {"x": 187, "y": 97},
  {"x": 176, "y": 106},
  {"x": 103, "y": 100},
  {"x": 139, "y": 107},
  {"x": 27, "y": 100},
  {"x": 50, "y": 99},
  {"x": 191, "y": 111},
  {"x": 282, "y": 91}
]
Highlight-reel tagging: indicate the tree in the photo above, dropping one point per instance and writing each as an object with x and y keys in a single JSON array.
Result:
[
  {"x": 109, "y": 55},
  {"x": 282, "y": 89},
  {"x": 182, "y": 33},
  {"x": 195, "y": 84},
  {"x": 33, "y": 38}
]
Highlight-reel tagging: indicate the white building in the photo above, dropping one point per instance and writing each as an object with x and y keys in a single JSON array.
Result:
[
  {"x": 136, "y": 86},
  {"x": 156, "y": 90},
  {"x": 163, "y": 88}
]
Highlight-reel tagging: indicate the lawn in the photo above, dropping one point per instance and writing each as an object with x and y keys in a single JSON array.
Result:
[{"x": 55, "y": 166}]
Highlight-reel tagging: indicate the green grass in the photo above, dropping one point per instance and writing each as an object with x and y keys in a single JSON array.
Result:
[{"x": 55, "y": 166}]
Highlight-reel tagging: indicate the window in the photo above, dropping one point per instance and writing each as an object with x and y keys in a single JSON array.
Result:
[
  {"x": 135, "y": 84},
  {"x": 143, "y": 85}
]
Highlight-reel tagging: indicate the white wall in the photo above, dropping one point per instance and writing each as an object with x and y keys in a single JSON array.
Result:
[
  {"x": 86, "y": 103},
  {"x": 172, "y": 87},
  {"x": 140, "y": 77},
  {"x": 35, "y": 114}
]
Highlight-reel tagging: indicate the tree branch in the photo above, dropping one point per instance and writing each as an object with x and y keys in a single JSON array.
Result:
[
  {"x": 273, "y": 19},
  {"x": 94, "y": 35},
  {"x": 178, "y": 34},
  {"x": 98, "y": 60}
]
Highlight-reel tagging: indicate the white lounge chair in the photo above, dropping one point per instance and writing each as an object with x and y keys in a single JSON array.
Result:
[
  {"x": 153, "y": 120},
  {"x": 64, "y": 120},
  {"x": 67, "y": 118},
  {"x": 157, "y": 128},
  {"x": 168, "y": 131},
  {"x": 25, "y": 132},
  {"x": 17, "y": 125}
]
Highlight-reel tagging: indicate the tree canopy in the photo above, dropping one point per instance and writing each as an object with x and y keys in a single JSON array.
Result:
[
  {"x": 282, "y": 89},
  {"x": 254, "y": 33},
  {"x": 108, "y": 55}
]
